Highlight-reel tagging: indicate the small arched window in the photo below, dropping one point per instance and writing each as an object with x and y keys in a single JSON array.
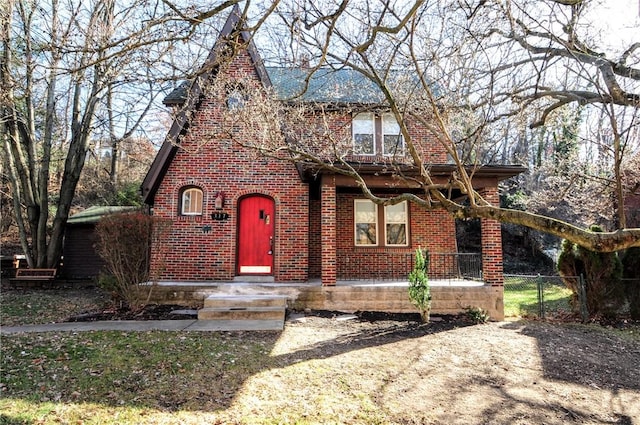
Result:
[
  {"x": 191, "y": 202},
  {"x": 236, "y": 96}
]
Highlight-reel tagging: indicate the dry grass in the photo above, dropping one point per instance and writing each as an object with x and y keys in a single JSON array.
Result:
[
  {"x": 24, "y": 307},
  {"x": 325, "y": 370}
]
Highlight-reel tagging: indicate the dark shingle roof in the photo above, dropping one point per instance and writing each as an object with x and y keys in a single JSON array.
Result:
[
  {"x": 325, "y": 85},
  {"x": 178, "y": 95},
  {"x": 95, "y": 213}
]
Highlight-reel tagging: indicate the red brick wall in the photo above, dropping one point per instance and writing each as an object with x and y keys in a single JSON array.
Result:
[
  {"x": 328, "y": 230},
  {"x": 491, "y": 231},
  {"x": 632, "y": 210},
  {"x": 338, "y": 124},
  {"x": 220, "y": 165},
  {"x": 315, "y": 247},
  {"x": 431, "y": 230}
]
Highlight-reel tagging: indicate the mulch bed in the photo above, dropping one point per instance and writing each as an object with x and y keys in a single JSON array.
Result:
[{"x": 149, "y": 312}]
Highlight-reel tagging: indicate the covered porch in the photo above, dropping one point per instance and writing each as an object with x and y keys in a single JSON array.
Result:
[
  {"x": 457, "y": 284},
  {"x": 335, "y": 257}
]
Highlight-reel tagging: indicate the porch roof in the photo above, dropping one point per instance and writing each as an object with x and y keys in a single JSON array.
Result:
[{"x": 387, "y": 175}]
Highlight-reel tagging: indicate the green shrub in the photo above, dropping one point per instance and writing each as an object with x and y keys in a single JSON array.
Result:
[
  {"x": 476, "y": 314},
  {"x": 631, "y": 274},
  {"x": 127, "y": 194},
  {"x": 601, "y": 271},
  {"x": 419, "y": 291}
]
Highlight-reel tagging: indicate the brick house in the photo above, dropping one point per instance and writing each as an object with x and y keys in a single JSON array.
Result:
[{"x": 241, "y": 217}]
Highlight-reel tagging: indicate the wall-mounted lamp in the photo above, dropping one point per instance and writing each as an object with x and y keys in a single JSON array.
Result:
[{"x": 219, "y": 201}]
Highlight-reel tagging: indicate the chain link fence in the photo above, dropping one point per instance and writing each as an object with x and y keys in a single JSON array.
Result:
[
  {"x": 552, "y": 297},
  {"x": 537, "y": 296}
]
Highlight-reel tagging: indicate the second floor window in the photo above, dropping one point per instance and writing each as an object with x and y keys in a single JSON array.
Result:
[
  {"x": 236, "y": 97},
  {"x": 373, "y": 134},
  {"x": 364, "y": 134},
  {"x": 191, "y": 201},
  {"x": 392, "y": 140}
]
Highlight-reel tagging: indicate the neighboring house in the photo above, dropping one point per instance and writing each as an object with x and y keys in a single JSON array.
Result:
[
  {"x": 80, "y": 259},
  {"x": 238, "y": 216}
]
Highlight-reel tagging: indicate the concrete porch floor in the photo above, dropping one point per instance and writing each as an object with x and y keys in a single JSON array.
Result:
[{"x": 317, "y": 282}]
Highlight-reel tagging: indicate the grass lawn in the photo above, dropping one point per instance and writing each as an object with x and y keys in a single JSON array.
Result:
[
  {"x": 25, "y": 307},
  {"x": 521, "y": 297},
  {"x": 323, "y": 370}
]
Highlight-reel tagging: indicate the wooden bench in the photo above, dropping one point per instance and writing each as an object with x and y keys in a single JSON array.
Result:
[{"x": 33, "y": 277}]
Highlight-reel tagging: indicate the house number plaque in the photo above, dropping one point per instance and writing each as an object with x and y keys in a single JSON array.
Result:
[{"x": 219, "y": 216}]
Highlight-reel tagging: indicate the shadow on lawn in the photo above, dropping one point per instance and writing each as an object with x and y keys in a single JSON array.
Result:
[
  {"x": 584, "y": 356},
  {"x": 508, "y": 411},
  {"x": 173, "y": 371}
]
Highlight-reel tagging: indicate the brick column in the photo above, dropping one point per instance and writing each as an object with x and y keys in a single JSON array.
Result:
[
  {"x": 492, "y": 269},
  {"x": 328, "y": 230}
]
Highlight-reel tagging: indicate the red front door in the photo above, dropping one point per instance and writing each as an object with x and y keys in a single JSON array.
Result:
[{"x": 256, "y": 235}]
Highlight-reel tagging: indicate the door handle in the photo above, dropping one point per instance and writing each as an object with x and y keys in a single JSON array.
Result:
[{"x": 270, "y": 245}]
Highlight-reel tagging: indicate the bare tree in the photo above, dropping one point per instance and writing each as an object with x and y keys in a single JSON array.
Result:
[
  {"x": 69, "y": 71},
  {"x": 462, "y": 70}
]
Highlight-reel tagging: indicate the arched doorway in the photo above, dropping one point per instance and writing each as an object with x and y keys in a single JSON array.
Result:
[{"x": 256, "y": 233}]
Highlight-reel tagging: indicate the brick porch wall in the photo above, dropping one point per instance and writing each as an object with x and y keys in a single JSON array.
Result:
[
  {"x": 431, "y": 230},
  {"x": 315, "y": 245},
  {"x": 492, "y": 264},
  {"x": 328, "y": 230}
]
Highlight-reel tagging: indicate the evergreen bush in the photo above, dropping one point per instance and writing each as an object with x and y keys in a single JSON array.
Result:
[
  {"x": 419, "y": 291},
  {"x": 602, "y": 272}
]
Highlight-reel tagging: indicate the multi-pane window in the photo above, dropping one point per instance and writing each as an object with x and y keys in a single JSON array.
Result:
[
  {"x": 392, "y": 141},
  {"x": 366, "y": 222},
  {"x": 376, "y": 133},
  {"x": 395, "y": 224},
  {"x": 191, "y": 201},
  {"x": 395, "y": 219},
  {"x": 363, "y": 126}
]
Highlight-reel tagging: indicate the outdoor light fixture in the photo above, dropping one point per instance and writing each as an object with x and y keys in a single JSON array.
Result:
[{"x": 219, "y": 201}]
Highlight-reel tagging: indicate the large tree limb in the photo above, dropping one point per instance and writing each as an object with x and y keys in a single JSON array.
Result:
[{"x": 603, "y": 242}]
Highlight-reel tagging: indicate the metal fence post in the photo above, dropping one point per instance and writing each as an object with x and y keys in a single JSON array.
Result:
[
  {"x": 582, "y": 298},
  {"x": 540, "y": 286}
]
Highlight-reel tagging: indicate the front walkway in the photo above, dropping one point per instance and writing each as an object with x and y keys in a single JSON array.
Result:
[{"x": 149, "y": 325}]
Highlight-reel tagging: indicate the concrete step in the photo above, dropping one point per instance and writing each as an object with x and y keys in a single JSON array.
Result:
[
  {"x": 240, "y": 313},
  {"x": 244, "y": 307},
  {"x": 245, "y": 301}
]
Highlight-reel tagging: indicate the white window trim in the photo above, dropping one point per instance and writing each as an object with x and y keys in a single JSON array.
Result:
[
  {"x": 405, "y": 222},
  {"x": 372, "y": 120},
  {"x": 355, "y": 223},
  {"x": 401, "y": 150},
  {"x": 182, "y": 203}
]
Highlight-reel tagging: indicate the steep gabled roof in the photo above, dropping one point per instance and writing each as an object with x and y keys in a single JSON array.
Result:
[
  {"x": 190, "y": 97},
  {"x": 324, "y": 85}
]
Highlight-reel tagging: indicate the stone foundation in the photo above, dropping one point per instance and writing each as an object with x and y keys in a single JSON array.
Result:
[{"x": 345, "y": 298}]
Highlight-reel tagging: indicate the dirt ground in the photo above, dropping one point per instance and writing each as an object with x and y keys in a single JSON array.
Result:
[
  {"x": 511, "y": 372},
  {"x": 449, "y": 371},
  {"x": 327, "y": 367}
]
